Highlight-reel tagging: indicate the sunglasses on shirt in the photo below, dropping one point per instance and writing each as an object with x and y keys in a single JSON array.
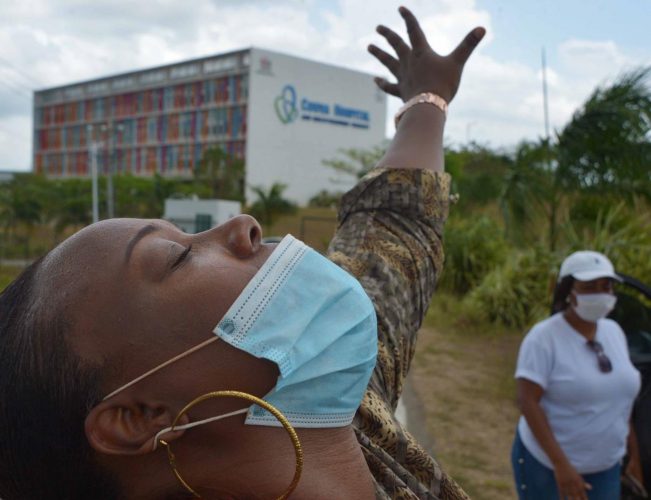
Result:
[{"x": 604, "y": 362}]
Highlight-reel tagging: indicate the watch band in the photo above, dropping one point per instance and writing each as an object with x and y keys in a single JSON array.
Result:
[{"x": 423, "y": 98}]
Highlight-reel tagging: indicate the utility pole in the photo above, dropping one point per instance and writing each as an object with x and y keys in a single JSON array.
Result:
[
  {"x": 553, "y": 197},
  {"x": 545, "y": 104}
]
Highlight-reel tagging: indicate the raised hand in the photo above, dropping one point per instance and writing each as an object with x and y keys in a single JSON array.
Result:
[{"x": 418, "y": 68}]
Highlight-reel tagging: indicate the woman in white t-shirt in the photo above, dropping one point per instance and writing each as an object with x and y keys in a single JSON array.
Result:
[{"x": 576, "y": 387}]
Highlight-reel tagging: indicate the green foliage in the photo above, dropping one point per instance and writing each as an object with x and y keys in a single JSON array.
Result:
[
  {"x": 473, "y": 248},
  {"x": 223, "y": 173},
  {"x": 528, "y": 192},
  {"x": 518, "y": 293},
  {"x": 621, "y": 233},
  {"x": 606, "y": 147},
  {"x": 325, "y": 199},
  {"x": 356, "y": 162},
  {"x": 32, "y": 203},
  {"x": 7, "y": 275},
  {"x": 477, "y": 173},
  {"x": 270, "y": 204}
]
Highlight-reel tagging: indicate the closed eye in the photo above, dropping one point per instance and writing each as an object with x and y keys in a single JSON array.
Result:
[{"x": 181, "y": 258}]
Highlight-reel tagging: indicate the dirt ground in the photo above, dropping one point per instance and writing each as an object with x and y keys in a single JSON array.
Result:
[{"x": 461, "y": 404}]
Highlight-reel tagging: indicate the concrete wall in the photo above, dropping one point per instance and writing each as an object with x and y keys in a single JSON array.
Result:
[
  {"x": 183, "y": 212},
  {"x": 302, "y": 112}
]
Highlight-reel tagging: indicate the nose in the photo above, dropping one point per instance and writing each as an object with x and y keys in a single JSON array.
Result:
[{"x": 242, "y": 235}]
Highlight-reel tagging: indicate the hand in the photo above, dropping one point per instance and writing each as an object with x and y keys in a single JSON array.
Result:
[
  {"x": 571, "y": 485},
  {"x": 418, "y": 68}
]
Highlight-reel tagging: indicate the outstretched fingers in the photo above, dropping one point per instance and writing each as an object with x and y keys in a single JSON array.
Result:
[
  {"x": 417, "y": 38},
  {"x": 467, "y": 45},
  {"x": 389, "y": 88},
  {"x": 398, "y": 44},
  {"x": 388, "y": 60}
]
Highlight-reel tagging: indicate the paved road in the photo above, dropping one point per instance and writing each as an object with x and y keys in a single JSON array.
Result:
[{"x": 411, "y": 413}]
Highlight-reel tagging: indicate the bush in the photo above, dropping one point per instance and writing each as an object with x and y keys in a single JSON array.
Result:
[
  {"x": 518, "y": 293},
  {"x": 325, "y": 199},
  {"x": 473, "y": 248},
  {"x": 623, "y": 234}
]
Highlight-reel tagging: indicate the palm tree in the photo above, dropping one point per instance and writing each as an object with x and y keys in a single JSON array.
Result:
[
  {"x": 604, "y": 150},
  {"x": 223, "y": 173},
  {"x": 270, "y": 204},
  {"x": 606, "y": 147}
]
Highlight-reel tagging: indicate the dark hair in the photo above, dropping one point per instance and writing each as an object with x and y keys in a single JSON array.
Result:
[
  {"x": 46, "y": 391},
  {"x": 561, "y": 293}
]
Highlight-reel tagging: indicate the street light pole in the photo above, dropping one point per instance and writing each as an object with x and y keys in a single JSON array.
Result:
[
  {"x": 92, "y": 152},
  {"x": 110, "y": 190},
  {"x": 109, "y": 174}
]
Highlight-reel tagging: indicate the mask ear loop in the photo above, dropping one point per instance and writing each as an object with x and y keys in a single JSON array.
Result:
[{"x": 298, "y": 450}]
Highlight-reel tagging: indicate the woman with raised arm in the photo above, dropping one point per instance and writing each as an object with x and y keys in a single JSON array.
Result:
[{"x": 137, "y": 361}]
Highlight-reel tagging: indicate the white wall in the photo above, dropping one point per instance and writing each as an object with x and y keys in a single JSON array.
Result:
[
  {"x": 183, "y": 212},
  {"x": 292, "y": 152}
]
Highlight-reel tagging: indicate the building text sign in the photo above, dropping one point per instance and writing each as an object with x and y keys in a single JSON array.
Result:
[{"x": 290, "y": 108}]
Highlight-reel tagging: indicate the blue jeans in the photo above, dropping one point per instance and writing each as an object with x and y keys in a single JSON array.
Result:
[{"x": 534, "y": 481}]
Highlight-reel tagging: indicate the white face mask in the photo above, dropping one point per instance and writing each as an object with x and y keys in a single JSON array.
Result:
[{"x": 594, "y": 306}]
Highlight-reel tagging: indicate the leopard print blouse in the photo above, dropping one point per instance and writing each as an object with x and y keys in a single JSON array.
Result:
[{"x": 389, "y": 238}]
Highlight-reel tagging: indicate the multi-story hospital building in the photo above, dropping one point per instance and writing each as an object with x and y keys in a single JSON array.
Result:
[{"x": 281, "y": 114}]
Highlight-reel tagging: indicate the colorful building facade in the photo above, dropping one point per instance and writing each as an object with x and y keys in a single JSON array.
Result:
[{"x": 162, "y": 120}]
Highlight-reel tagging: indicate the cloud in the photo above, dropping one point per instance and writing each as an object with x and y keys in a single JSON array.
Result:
[
  {"x": 15, "y": 142},
  {"x": 53, "y": 42}
]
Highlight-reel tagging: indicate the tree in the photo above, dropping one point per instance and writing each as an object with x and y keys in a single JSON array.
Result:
[
  {"x": 602, "y": 154},
  {"x": 477, "y": 172},
  {"x": 223, "y": 173},
  {"x": 24, "y": 202},
  {"x": 356, "y": 162},
  {"x": 530, "y": 192},
  {"x": 606, "y": 147},
  {"x": 270, "y": 204},
  {"x": 70, "y": 204}
]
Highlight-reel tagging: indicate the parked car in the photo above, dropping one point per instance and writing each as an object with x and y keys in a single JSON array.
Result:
[{"x": 633, "y": 313}]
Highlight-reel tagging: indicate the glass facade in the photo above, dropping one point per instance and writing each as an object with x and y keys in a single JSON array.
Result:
[{"x": 164, "y": 128}]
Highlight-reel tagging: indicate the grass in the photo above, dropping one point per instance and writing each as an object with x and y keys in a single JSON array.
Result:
[
  {"x": 7, "y": 275},
  {"x": 463, "y": 376}
]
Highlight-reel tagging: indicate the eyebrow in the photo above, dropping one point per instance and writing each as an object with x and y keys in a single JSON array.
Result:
[{"x": 144, "y": 231}]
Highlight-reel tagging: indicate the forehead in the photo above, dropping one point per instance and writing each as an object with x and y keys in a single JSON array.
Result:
[
  {"x": 85, "y": 276},
  {"x": 98, "y": 242},
  {"x": 90, "y": 258}
]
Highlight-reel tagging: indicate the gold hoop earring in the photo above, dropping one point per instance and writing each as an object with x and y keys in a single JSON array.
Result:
[{"x": 298, "y": 450}]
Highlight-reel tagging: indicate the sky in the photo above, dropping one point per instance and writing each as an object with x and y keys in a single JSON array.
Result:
[{"x": 45, "y": 43}]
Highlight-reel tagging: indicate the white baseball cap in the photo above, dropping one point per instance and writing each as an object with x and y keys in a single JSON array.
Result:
[{"x": 587, "y": 265}]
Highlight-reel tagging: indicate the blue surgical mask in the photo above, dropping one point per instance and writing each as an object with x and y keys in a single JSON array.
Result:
[
  {"x": 313, "y": 320},
  {"x": 316, "y": 323}
]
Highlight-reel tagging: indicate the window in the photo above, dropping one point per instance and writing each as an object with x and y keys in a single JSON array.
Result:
[
  {"x": 222, "y": 64},
  {"x": 184, "y": 71},
  {"x": 122, "y": 83},
  {"x": 73, "y": 92},
  {"x": 153, "y": 76},
  {"x": 98, "y": 87}
]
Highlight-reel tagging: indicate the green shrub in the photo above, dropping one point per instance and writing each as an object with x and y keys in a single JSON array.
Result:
[
  {"x": 7, "y": 275},
  {"x": 473, "y": 248},
  {"x": 325, "y": 199},
  {"x": 518, "y": 293},
  {"x": 621, "y": 233}
]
